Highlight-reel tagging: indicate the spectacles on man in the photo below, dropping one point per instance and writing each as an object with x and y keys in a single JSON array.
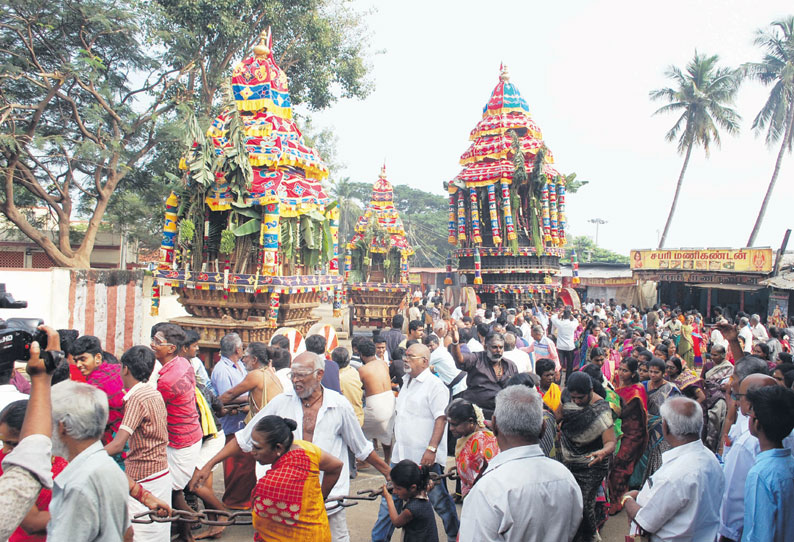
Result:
[
  {"x": 160, "y": 341},
  {"x": 300, "y": 375}
]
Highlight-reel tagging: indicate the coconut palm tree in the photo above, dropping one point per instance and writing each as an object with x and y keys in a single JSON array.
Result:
[
  {"x": 346, "y": 193},
  {"x": 777, "y": 115},
  {"x": 702, "y": 95}
]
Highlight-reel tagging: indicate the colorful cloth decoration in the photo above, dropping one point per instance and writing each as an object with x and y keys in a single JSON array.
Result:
[
  {"x": 169, "y": 233},
  {"x": 404, "y": 269},
  {"x": 155, "y": 310},
  {"x": 453, "y": 238},
  {"x": 475, "y": 216},
  {"x": 333, "y": 217},
  {"x": 497, "y": 238},
  {"x": 461, "y": 217},
  {"x": 348, "y": 264},
  {"x": 561, "y": 222},
  {"x": 477, "y": 267},
  {"x": 555, "y": 239},
  {"x": 575, "y": 267},
  {"x": 544, "y": 201},
  {"x": 258, "y": 83},
  {"x": 272, "y": 315},
  {"x": 269, "y": 240},
  {"x": 507, "y": 212},
  {"x": 338, "y": 294},
  {"x": 448, "y": 278}
]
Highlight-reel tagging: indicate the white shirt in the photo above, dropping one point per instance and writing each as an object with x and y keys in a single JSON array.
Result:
[
  {"x": 737, "y": 464},
  {"x": 759, "y": 332},
  {"x": 521, "y": 359},
  {"x": 457, "y": 314},
  {"x": 747, "y": 334},
  {"x": 8, "y": 394},
  {"x": 421, "y": 400},
  {"x": 523, "y": 496},
  {"x": 335, "y": 430},
  {"x": 739, "y": 427},
  {"x": 717, "y": 338},
  {"x": 681, "y": 501},
  {"x": 526, "y": 330},
  {"x": 155, "y": 374},
  {"x": 286, "y": 383},
  {"x": 565, "y": 331},
  {"x": 444, "y": 366},
  {"x": 475, "y": 346}
]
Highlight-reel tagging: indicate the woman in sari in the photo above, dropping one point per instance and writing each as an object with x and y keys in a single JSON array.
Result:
[
  {"x": 545, "y": 369},
  {"x": 588, "y": 441},
  {"x": 686, "y": 346},
  {"x": 289, "y": 501},
  {"x": 476, "y": 445},
  {"x": 658, "y": 390},
  {"x": 634, "y": 417}
]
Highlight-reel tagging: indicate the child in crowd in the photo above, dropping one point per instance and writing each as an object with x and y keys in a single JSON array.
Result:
[{"x": 415, "y": 516}]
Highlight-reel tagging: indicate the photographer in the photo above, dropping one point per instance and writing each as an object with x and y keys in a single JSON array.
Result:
[{"x": 28, "y": 467}]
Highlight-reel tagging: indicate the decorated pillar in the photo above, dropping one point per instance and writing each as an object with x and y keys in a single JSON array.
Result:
[
  {"x": 333, "y": 218},
  {"x": 507, "y": 211},
  {"x": 495, "y": 232},
  {"x": 461, "y": 217},
  {"x": 448, "y": 278},
  {"x": 453, "y": 238},
  {"x": 348, "y": 263},
  {"x": 544, "y": 201},
  {"x": 475, "y": 216},
  {"x": 555, "y": 239},
  {"x": 477, "y": 266},
  {"x": 575, "y": 267},
  {"x": 169, "y": 233},
  {"x": 403, "y": 268},
  {"x": 561, "y": 210},
  {"x": 272, "y": 314},
  {"x": 269, "y": 239}
]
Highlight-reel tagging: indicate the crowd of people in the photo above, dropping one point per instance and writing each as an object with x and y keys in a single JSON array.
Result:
[{"x": 556, "y": 419}]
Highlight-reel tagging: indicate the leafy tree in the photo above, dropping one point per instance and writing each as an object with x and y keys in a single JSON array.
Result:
[
  {"x": 587, "y": 251},
  {"x": 777, "y": 115},
  {"x": 84, "y": 99},
  {"x": 702, "y": 95}
]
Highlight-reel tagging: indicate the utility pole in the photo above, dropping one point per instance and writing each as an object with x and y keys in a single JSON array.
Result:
[{"x": 597, "y": 222}]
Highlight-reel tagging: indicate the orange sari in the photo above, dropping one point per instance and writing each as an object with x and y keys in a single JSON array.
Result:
[{"x": 288, "y": 503}]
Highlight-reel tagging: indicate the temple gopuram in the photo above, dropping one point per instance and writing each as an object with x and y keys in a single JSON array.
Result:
[
  {"x": 507, "y": 206},
  {"x": 251, "y": 242},
  {"x": 376, "y": 260}
]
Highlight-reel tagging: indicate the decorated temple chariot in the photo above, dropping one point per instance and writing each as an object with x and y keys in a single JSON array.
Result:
[
  {"x": 250, "y": 243},
  {"x": 377, "y": 259},
  {"x": 507, "y": 206}
]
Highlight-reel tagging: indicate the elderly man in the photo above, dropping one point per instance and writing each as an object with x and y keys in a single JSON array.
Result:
[
  {"x": 238, "y": 470},
  {"x": 443, "y": 365},
  {"x": 541, "y": 347},
  {"x": 324, "y": 417},
  {"x": 741, "y": 456},
  {"x": 522, "y": 496},
  {"x": 517, "y": 356},
  {"x": 420, "y": 431},
  {"x": 487, "y": 371},
  {"x": 89, "y": 497},
  {"x": 681, "y": 500},
  {"x": 757, "y": 329}
]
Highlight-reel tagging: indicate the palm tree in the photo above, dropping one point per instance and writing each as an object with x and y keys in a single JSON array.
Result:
[
  {"x": 702, "y": 95},
  {"x": 345, "y": 193},
  {"x": 777, "y": 115}
]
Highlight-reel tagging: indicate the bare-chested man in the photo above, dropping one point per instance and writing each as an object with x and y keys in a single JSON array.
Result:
[{"x": 380, "y": 401}]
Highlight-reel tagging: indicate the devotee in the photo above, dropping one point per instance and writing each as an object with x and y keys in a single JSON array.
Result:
[
  {"x": 189, "y": 351},
  {"x": 542, "y": 347},
  {"x": 317, "y": 344},
  {"x": 658, "y": 391},
  {"x": 177, "y": 385},
  {"x": 87, "y": 354},
  {"x": 519, "y": 357},
  {"x": 89, "y": 497},
  {"x": 394, "y": 336},
  {"x": 288, "y": 501},
  {"x": 512, "y": 500},
  {"x": 324, "y": 418},
  {"x": 260, "y": 384},
  {"x": 565, "y": 329},
  {"x": 280, "y": 360},
  {"x": 634, "y": 425},
  {"x": 8, "y": 392},
  {"x": 547, "y": 387},
  {"x": 476, "y": 444},
  {"x": 746, "y": 333},
  {"x": 587, "y": 437},
  {"x": 380, "y": 402},
  {"x": 769, "y": 490},
  {"x": 487, "y": 372},
  {"x": 420, "y": 431},
  {"x": 350, "y": 381},
  {"x": 442, "y": 364},
  {"x": 381, "y": 349},
  {"x": 718, "y": 367},
  {"x": 415, "y": 332},
  {"x": 144, "y": 427},
  {"x": 411, "y": 482},
  {"x": 238, "y": 471},
  {"x": 741, "y": 457},
  {"x": 757, "y": 329},
  {"x": 681, "y": 500}
]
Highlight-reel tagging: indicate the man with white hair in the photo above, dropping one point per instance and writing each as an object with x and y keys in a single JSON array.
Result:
[
  {"x": 746, "y": 333},
  {"x": 89, "y": 497},
  {"x": 324, "y": 417},
  {"x": 758, "y": 330},
  {"x": 681, "y": 500},
  {"x": 519, "y": 357},
  {"x": 522, "y": 495}
]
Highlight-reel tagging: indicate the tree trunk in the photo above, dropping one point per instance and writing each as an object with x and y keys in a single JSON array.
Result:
[
  {"x": 760, "y": 219},
  {"x": 675, "y": 197}
]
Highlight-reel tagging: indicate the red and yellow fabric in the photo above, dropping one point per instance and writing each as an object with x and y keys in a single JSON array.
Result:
[
  {"x": 505, "y": 98},
  {"x": 495, "y": 230},
  {"x": 552, "y": 397},
  {"x": 507, "y": 212},
  {"x": 258, "y": 83},
  {"x": 471, "y": 455},
  {"x": 452, "y": 238},
  {"x": 461, "y": 217},
  {"x": 501, "y": 123},
  {"x": 496, "y": 147},
  {"x": 288, "y": 502},
  {"x": 475, "y": 216}
]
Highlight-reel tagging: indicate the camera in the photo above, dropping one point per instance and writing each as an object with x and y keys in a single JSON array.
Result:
[{"x": 17, "y": 334}]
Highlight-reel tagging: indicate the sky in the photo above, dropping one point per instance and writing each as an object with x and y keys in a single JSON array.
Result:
[{"x": 585, "y": 68}]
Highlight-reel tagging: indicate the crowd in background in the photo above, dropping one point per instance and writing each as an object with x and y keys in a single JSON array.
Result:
[{"x": 556, "y": 418}]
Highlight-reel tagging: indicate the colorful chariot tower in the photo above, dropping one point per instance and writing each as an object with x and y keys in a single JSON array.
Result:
[{"x": 507, "y": 206}]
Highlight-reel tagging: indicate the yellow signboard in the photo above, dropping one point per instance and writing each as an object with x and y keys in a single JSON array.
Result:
[
  {"x": 415, "y": 278},
  {"x": 744, "y": 260}
]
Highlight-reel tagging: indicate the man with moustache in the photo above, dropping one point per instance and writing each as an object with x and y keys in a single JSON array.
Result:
[{"x": 324, "y": 417}]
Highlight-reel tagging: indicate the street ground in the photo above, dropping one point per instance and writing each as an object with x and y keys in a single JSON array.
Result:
[{"x": 361, "y": 517}]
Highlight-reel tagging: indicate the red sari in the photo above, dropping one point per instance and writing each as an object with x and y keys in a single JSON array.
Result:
[{"x": 634, "y": 425}]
